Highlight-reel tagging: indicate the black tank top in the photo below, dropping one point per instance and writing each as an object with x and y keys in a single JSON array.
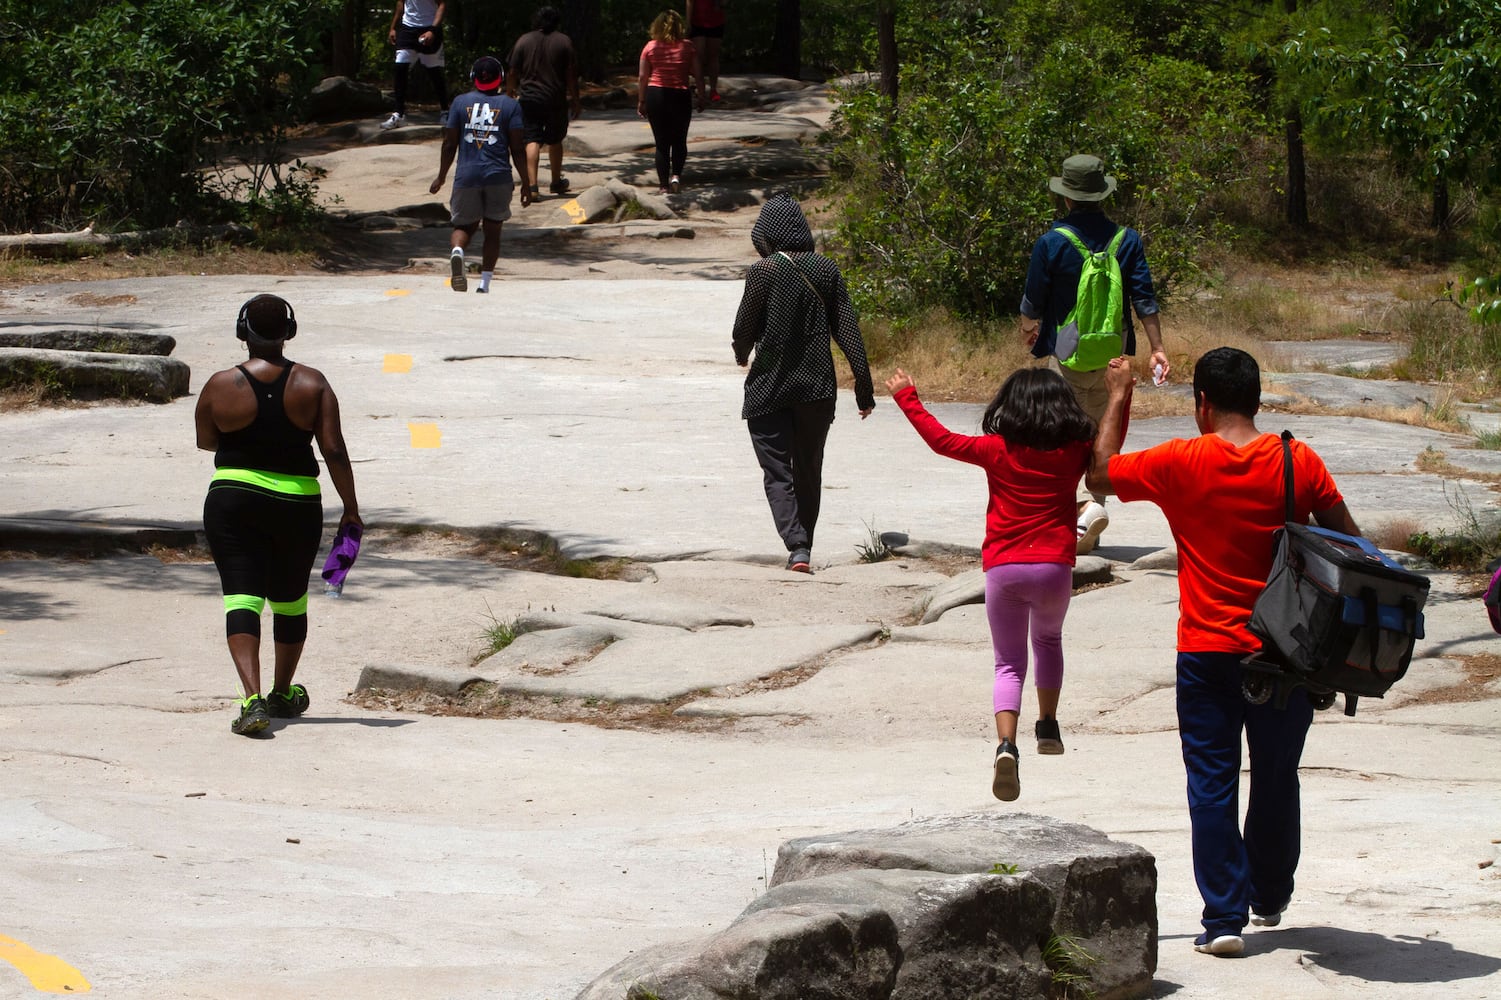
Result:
[{"x": 272, "y": 443}]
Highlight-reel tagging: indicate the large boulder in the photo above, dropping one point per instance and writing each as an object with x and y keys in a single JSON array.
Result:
[
  {"x": 808, "y": 951},
  {"x": 1104, "y": 891},
  {"x": 982, "y": 905},
  {"x": 96, "y": 376},
  {"x": 339, "y": 97}
]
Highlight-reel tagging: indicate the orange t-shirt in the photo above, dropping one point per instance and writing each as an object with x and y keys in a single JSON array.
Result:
[{"x": 1223, "y": 504}]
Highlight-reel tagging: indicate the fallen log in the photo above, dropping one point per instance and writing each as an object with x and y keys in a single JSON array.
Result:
[{"x": 85, "y": 240}]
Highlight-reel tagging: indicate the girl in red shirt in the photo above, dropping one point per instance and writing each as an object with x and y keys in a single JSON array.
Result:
[{"x": 1036, "y": 445}]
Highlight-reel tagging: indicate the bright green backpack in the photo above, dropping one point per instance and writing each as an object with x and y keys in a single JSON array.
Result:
[{"x": 1092, "y": 333}]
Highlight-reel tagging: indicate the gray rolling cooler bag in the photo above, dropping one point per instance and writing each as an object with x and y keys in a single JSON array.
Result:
[{"x": 1337, "y": 616}]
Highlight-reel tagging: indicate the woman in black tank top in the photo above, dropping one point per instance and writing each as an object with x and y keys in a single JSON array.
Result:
[{"x": 263, "y": 514}]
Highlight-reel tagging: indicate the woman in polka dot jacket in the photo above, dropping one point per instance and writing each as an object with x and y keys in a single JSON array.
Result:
[{"x": 795, "y": 302}]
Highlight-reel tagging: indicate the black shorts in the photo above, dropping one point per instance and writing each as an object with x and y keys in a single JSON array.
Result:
[
  {"x": 699, "y": 31},
  {"x": 264, "y": 543},
  {"x": 543, "y": 121}
]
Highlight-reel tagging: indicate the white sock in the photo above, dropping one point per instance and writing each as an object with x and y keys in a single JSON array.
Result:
[
  {"x": 456, "y": 252},
  {"x": 484, "y": 280}
]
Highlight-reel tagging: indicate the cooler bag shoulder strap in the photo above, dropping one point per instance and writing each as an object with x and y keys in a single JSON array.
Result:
[{"x": 1287, "y": 474}]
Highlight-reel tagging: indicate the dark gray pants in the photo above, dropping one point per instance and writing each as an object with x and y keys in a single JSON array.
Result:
[{"x": 789, "y": 445}]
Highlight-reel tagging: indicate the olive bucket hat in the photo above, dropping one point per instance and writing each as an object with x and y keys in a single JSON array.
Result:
[{"x": 1084, "y": 179}]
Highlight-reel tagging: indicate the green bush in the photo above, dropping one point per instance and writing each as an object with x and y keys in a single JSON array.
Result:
[
  {"x": 111, "y": 109},
  {"x": 942, "y": 199}
]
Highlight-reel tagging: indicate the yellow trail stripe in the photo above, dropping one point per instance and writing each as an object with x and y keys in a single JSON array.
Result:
[
  {"x": 397, "y": 363},
  {"x": 425, "y": 435},
  {"x": 47, "y": 973},
  {"x": 396, "y": 293},
  {"x": 576, "y": 213}
]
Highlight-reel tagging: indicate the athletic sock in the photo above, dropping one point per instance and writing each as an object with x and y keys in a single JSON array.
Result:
[{"x": 484, "y": 280}]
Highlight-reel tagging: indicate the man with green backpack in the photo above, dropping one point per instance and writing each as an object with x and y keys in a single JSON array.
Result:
[{"x": 1085, "y": 272}]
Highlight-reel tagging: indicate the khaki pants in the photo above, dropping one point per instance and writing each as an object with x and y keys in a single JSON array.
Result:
[{"x": 1089, "y": 390}]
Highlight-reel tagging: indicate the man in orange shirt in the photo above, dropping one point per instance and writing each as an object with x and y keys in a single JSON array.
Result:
[{"x": 1222, "y": 494}]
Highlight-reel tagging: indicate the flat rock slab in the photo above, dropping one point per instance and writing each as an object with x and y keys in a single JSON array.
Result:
[
  {"x": 672, "y": 665},
  {"x": 1104, "y": 890},
  {"x": 1354, "y": 355},
  {"x": 102, "y": 340},
  {"x": 1342, "y": 390},
  {"x": 969, "y": 587},
  {"x": 97, "y": 376}
]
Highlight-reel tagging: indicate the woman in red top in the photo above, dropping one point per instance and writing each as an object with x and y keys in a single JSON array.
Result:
[
  {"x": 1036, "y": 445},
  {"x": 668, "y": 73},
  {"x": 706, "y": 24}
]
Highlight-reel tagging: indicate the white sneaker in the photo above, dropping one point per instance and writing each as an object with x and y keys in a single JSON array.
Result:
[
  {"x": 456, "y": 278},
  {"x": 397, "y": 119},
  {"x": 1268, "y": 919},
  {"x": 1092, "y": 524},
  {"x": 1224, "y": 944}
]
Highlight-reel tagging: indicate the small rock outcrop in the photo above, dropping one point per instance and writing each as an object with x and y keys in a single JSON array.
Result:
[
  {"x": 338, "y": 97},
  {"x": 97, "y": 376},
  {"x": 979, "y": 905}
]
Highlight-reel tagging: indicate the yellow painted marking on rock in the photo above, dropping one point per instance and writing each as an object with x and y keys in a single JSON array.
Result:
[
  {"x": 425, "y": 435},
  {"x": 47, "y": 973},
  {"x": 397, "y": 363},
  {"x": 576, "y": 213},
  {"x": 396, "y": 293}
]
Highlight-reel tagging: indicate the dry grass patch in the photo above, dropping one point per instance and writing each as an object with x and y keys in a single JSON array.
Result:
[
  {"x": 1395, "y": 534},
  {"x": 1482, "y": 671},
  {"x": 18, "y": 269}
]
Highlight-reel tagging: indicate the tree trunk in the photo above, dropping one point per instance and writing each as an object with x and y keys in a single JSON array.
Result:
[
  {"x": 1441, "y": 203},
  {"x": 1297, "y": 172},
  {"x": 886, "y": 42},
  {"x": 581, "y": 23},
  {"x": 787, "y": 40},
  {"x": 345, "y": 59}
]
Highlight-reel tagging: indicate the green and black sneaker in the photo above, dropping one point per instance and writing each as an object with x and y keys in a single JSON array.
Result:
[
  {"x": 289, "y": 705},
  {"x": 254, "y": 718}
]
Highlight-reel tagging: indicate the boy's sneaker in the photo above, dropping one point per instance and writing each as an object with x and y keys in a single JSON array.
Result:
[
  {"x": 253, "y": 717},
  {"x": 1220, "y": 944},
  {"x": 558, "y": 186},
  {"x": 797, "y": 561},
  {"x": 456, "y": 280},
  {"x": 1092, "y": 523},
  {"x": 1268, "y": 919},
  {"x": 1049, "y": 739},
  {"x": 1007, "y": 784},
  {"x": 289, "y": 705},
  {"x": 396, "y": 120}
]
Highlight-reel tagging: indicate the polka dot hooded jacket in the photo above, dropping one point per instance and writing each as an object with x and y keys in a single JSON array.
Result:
[{"x": 795, "y": 301}]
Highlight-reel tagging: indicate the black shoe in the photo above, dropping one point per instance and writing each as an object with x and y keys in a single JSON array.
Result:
[
  {"x": 253, "y": 717},
  {"x": 798, "y": 561},
  {"x": 482, "y": 290},
  {"x": 1049, "y": 739},
  {"x": 456, "y": 279},
  {"x": 556, "y": 187},
  {"x": 1007, "y": 783},
  {"x": 289, "y": 705}
]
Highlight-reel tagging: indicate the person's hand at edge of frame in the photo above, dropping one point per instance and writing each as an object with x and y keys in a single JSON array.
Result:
[
  {"x": 867, "y": 412},
  {"x": 575, "y": 109},
  {"x": 1029, "y": 329},
  {"x": 436, "y": 185},
  {"x": 526, "y": 193},
  {"x": 352, "y": 517},
  {"x": 1159, "y": 358},
  {"x": 901, "y": 380},
  {"x": 1119, "y": 379}
]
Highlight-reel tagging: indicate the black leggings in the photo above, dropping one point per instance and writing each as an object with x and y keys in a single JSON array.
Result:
[
  {"x": 789, "y": 445},
  {"x": 669, "y": 109},
  {"x": 264, "y": 544},
  {"x": 403, "y": 76}
]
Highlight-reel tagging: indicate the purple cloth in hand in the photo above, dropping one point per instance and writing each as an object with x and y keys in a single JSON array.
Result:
[{"x": 345, "y": 550}]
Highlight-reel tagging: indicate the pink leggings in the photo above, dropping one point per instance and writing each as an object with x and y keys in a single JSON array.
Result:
[{"x": 1019, "y": 596}]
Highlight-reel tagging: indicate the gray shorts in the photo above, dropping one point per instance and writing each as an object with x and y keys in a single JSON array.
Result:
[{"x": 467, "y": 206}]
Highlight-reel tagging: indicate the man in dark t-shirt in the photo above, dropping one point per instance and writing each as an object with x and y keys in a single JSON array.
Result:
[
  {"x": 483, "y": 130},
  {"x": 544, "y": 73}
]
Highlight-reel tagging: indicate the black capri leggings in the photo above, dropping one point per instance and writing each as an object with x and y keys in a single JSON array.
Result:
[
  {"x": 264, "y": 544},
  {"x": 669, "y": 110}
]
